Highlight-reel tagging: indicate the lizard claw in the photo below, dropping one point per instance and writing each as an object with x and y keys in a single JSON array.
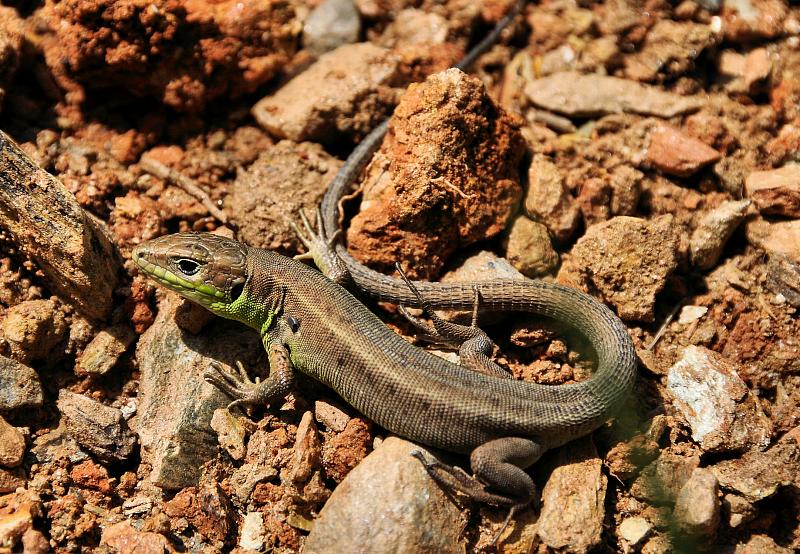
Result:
[{"x": 235, "y": 384}]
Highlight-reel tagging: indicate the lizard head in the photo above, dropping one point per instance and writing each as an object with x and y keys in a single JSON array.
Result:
[{"x": 203, "y": 267}]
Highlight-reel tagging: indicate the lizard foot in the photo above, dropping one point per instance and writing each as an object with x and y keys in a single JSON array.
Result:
[
  {"x": 236, "y": 385},
  {"x": 452, "y": 479},
  {"x": 320, "y": 248}
]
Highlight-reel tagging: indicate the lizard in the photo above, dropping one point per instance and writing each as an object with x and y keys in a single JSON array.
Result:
[{"x": 309, "y": 322}]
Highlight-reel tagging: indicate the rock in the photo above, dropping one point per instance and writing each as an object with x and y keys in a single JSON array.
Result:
[
  {"x": 697, "y": 507},
  {"x": 19, "y": 386},
  {"x": 413, "y": 26},
  {"x": 780, "y": 238},
  {"x": 594, "y": 200},
  {"x": 626, "y": 188},
  {"x": 427, "y": 41},
  {"x": 347, "y": 91},
  {"x": 34, "y": 542},
  {"x": 98, "y": 428},
  {"x": 330, "y": 416},
  {"x": 758, "y": 475},
  {"x": 529, "y": 249},
  {"x": 676, "y": 153},
  {"x": 12, "y": 445},
  {"x": 777, "y": 191},
  {"x": 737, "y": 510},
  {"x": 584, "y": 96},
  {"x": 573, "y": 500},
  {"x": 387, "y": 504},
  {"x": 11, "y": 479},
  {"x": 91, "y": 475},
  {"x": 445, "y": 177},
  {"x": 627, "y": 260},
  {"x": 103, "y": 352},
  {"x": 669, "y": 49},
  {"x": 13, "y": 30},
  {"x": 206, "y": 508},
  {"x": 307, "y": 453},
  {"x": 231, "y": 433},
  {"x": 748, "y": 20},
  {"x": 761, "y": 544},
  {"x": 252, "y": 533},
  {"x": 233, "y": 48},
  {"x": 690, "y": 314},
  {"x": 482, "y": 266},
  {"x": 33, "y": 329},
  {"x": 72, "y": 249},
  {"x": 548, "y": 199},
  {"x": 330, "y": 25},
  {"x": 344, "y": 451},
  {"x": 175, "y": 403},
  {"x": 712, "y": 233},
  {"x": 626, "y": 459},
  {"x": 634, "y": 530},
  {"x": 19, "y": 510},
  {"x": 285, "y": 179},
  {"x": 783, "y": 278},
  {"x": 661, "y": 481},
  {"x": 124, "y": 539},
  {"x": 247, "y": 476},
  {"x": 723, "y": 413},
  {"x": 742, "y": 72}
]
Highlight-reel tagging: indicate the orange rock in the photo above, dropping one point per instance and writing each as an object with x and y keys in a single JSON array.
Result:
[
  {"x": 445, "y": 177},
  {"x": 676, "y": 153}
]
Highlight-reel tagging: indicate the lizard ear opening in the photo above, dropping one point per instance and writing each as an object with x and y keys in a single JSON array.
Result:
[{"x": 236, "y": 290}]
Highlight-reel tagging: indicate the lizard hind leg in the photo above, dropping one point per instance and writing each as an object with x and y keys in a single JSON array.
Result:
[
  {"x": 500, "y": 479},
  {"x": 475, "y": 346}
]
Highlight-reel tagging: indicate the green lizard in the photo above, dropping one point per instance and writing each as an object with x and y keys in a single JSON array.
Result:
[{"x": 312, "y": 324}]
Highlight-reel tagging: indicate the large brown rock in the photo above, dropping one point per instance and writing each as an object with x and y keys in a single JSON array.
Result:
[
  {"x": 445, "y": 177},
  {"x": 626, "y": 261}
]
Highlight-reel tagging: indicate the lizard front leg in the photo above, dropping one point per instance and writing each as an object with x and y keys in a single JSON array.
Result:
[{"x": 246, "y": 392}]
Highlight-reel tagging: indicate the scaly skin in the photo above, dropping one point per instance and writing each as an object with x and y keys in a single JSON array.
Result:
[
  {"x": 312, "y": 324},
  {"x": 329, "y": 335}
]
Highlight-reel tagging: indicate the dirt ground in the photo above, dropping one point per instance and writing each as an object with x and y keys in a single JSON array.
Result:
[{"x": 646, "y": 152}]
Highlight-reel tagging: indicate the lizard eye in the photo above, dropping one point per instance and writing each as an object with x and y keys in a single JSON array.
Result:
[{"x": 188, "y": 267}]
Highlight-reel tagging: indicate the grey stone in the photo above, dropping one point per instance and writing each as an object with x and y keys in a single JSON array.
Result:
[
  {"x": 104, "y": 351},
  {"x": 19, "y": 386},
  {"x": 175, "y": 403},
  {"x": 96, "y": 427},
  {"x": 388, "y": 503},
  {"x": 330, "y": 25},
  {"x": 721, "y": 411}
]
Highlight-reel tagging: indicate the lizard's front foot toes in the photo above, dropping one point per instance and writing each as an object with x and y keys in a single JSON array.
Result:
[{"x": 234, "y": 384}]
